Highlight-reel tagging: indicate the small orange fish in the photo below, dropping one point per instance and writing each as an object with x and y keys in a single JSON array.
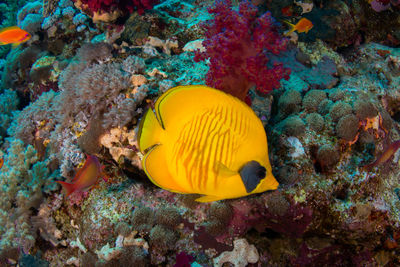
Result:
[
  {"x": 386, "y": 155},
  {"x": 287, "y": 11},
  {"x": 86, "y": 176},
  {"x": 1, "y": 162},
  {"x": 303, "y": 25},
  {"x": 13, "y": 35}
]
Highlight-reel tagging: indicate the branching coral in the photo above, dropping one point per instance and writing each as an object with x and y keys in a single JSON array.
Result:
[
  {"x": 23, "y": 180},
  {"x": 237, "y": 44}
]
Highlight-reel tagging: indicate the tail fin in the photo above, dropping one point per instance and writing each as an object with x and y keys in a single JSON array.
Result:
[
  {"x": 150, "y": 131},
  {"x": 292, "y": 27},
  {"x": 69, "y": 188}
]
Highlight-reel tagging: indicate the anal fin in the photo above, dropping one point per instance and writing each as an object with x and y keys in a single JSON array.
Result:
[{"x": 205, "y": 199}]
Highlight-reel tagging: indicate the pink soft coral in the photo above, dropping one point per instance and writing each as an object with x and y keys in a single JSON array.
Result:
[{"x": 237, "y": 43}]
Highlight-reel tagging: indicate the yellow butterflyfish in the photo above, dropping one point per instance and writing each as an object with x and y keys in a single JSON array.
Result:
[{"x": 203, "y": 141}]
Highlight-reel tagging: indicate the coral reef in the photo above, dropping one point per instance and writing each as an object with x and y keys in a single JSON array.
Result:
[{"x": 328, "y": 99}]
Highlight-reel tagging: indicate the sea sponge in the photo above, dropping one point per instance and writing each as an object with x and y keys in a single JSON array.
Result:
[
  {"x": 143, "y": 219},
  {"x": 347, "y": 127},
  {"x": 315, "y": 121},
  {"x": 312, "y": 99},
  {"x": 327, "y": 156},
  {"x": 339, "y": 109},
  {"x": 289, "y": 102},
  {"x": 168, "y": 217},
  {"x": 364, "y": 109},
  {"x": 293, "y": 126},
  {"x": 242, "y": 254}
]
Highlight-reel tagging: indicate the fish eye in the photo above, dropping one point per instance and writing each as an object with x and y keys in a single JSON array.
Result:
[{"x": 261, "y": 172}]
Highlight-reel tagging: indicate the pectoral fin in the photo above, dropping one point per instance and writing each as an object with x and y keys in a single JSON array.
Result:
[{"x": 223, "y": 171}]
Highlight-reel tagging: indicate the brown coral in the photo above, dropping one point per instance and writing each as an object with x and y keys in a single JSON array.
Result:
[{"x": 347, "y": 127}]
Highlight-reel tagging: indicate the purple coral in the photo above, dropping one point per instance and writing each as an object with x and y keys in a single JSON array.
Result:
[
  {"x": 382, "y": 5},
  {"x": 237, "y": 44}
]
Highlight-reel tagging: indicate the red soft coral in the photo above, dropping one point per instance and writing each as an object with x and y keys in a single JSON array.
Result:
[
  {"x": 106, "y": 6},
  {"x": 237, "y": 43}
]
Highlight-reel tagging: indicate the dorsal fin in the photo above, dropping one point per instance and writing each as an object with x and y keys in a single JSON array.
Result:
[{"x": 10, "y": 28}]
